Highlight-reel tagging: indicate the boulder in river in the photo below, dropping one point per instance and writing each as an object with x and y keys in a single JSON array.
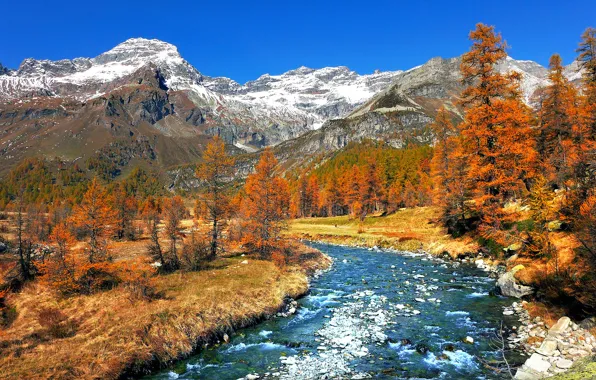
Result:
[{"x": 508, "y": 286}]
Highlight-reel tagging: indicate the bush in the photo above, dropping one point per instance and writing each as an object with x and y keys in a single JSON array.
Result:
[
  {"x": 279, "y": 258},
  {"x": 137, "y": 278},
  {"x": 195, "y": 254},
  {"x": 55, "y": 323}
]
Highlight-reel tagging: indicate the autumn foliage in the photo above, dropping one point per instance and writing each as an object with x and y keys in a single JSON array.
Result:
[{"x": 265, "y": 206}]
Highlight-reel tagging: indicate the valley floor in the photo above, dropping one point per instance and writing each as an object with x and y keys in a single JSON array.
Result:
[
  {"x": 113, "y": 335},
  {"x": 408, "y": 229}
]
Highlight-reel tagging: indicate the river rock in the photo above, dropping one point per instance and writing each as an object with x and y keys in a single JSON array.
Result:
[
  {"x": 560, "y": 326},
  {"x": 537, "y": 363},
  {"x": 588, "y": 323},
  {"x": 508, "y": 286},
  {"x": 468, "y": 340},
  {"x": 563, "y": 363},
  {"x": 548, "y": 347}
]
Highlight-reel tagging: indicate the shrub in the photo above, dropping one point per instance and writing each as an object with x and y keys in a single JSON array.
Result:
[
  {"x": 279, "y": 258},
  {"x": 137, "y": 278},
  {"x": 195, "y": 253}
]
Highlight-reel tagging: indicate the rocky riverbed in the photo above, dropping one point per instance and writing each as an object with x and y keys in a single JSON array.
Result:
[
  {"x": 552, "y": 350},
  {"x": 375, "y": 313}
]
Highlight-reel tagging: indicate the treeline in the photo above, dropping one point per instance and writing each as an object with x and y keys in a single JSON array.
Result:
[
  {"x": 363, "y": 178},
  {"x": 71, "y": 247},
  {"x": 50, "y": 182}
]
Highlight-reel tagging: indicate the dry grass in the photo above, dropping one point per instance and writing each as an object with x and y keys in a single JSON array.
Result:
[
  {"x": 407, "y": 229},
  {"x": 117, "y": 334}
]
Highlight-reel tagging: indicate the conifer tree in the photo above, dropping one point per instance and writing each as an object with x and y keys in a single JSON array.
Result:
[
  {"x": 557, "y": 116},
  {"x": 215, "y": 172},
  {"x": 494, "y": 133},
  {"x": 173, "y": 211},
  {"x": 265, "y": 206},
  {"x": 98, "y": 219}
]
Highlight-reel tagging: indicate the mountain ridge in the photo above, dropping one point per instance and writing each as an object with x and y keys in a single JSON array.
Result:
[{"x": 143, "y": 90}]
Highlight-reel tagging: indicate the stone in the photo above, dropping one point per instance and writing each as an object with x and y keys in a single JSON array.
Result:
[
  {"x": 244, "y": 262},
  {"x": 469, "y": 340},
  {"x": 560, "y": 326},
  {"x": 548, "y": 347},
  {"x": 252, "y": 377},
  {"x": 563, "y": 363},
  {"x": 588, "y": 323},
  {"x": 537, "y": 363},
  {"x": 508, "y": 312},
  {"x": 508, "y": 286}
]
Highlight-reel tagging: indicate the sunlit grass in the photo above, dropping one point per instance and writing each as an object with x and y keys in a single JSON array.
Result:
[
  {"x": 407, "y": 229},
  {"x": 117, "y": 333}
]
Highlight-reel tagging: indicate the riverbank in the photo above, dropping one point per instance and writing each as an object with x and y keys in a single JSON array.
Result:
[
  {"x": 111, "y": 335},
  {"x": 375, "y": 314},
  {"x": 410, "y": 229},
  {"x": 416, "y": 230}
]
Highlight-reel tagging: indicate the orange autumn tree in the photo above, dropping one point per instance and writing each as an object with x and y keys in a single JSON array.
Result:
[
  {"x": 557, "y": 115},
  {"x": 151, "y": 214},
  {"x": 331, "y": 198},
  {"x": 494, "y": 133},
  {"x": 173, "y": 211},
  {"x": 581, "y": 199},
  {"x": 449, "y": 171},
  {"x": 265, "y": 206},
  {"x": 60, "y": 270},
  {"x": 126, "y": 208},
  {"x": 215, "y": 172},
  {"x": 98, "y": 219}
]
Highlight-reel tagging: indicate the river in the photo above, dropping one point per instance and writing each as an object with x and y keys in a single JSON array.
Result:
[{"x": 377, "y": 314}]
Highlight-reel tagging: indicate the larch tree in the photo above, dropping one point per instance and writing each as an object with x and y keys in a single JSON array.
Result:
[
  {"x": 151, "y": 213},
  {"x": 98, "y": 219},
  {"x": 587, "y": 62},
  {"x": 581, "y": 199},
  {"x": 265, "y": 205},
  {"x": 494, "y": 133},
  {"x": 60, "y": 269},
  {"x": 557, "y": 115},
  {"x": 313, "y": 195},
  {"x": 449, "y": 171},
  {"x": 173, "y": 211},
  {"x": 126, "y": 208},
  {"x": 332, "y": 197},
  {"x": 370, "y": 188},
  {"x": 215, "y": 172},
  {"x": 23, "y": 246},
  {"x": 445, "y": 145}
]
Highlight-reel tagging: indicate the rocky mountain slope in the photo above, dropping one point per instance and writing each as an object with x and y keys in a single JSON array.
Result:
[
  {"x": 401, "y": 113},
  {"x": 261, "y": 112},
  {"x": 141, "y": 102}
]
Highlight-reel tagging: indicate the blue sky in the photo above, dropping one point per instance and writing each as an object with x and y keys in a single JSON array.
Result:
[{"x": 244, "y": 39}]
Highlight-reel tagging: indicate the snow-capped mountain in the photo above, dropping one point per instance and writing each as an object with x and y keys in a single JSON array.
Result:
[
  {"x": 142, "y": 101},
  {"x": 322, "y": 94},
  {"x": 270, "y": 109}
]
